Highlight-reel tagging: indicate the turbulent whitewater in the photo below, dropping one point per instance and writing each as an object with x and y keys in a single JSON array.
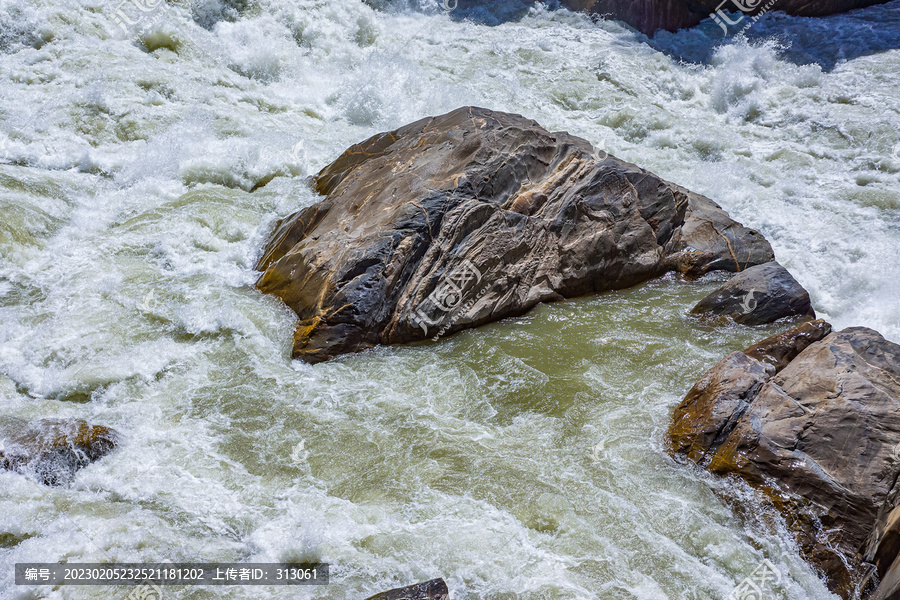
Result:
[{"x": 144, "y": 159}]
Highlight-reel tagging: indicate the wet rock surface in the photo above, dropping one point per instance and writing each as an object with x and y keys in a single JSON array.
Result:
[
  {"x": 435, "y": 589},
  {"x": 758, "y": 295},
  {"x": 812, "y": 418},
  {"x": 455, "y": 221},
  {"x": 52, "y": 450}
]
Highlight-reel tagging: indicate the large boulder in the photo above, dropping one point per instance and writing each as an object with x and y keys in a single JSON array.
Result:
[
  {"x": 435, "y": 589},
  {"x": 759, "y": 295},
  {"x": 473, "y": 216},
  {"x": 51, "y": 450},
  {"x": 649, "y": 16},
  {"x": 811, "y": 418}
]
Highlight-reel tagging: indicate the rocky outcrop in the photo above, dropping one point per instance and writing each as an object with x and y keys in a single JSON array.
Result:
[
  {"x": 52, "y": 450},
  {"x": 649, "y": 16},
  {"x": 473, "y": 216},
  {"x": 811, "y": 418},
  {"x": 435, "y": 589},
  {"x": 761, "y": 294}
]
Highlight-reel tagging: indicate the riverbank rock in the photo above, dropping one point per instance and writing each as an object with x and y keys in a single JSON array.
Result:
[
  {"x": 759, "y": 295},
  {"x": 435, "y": 589},
  {"x": 474, "y": 216},
  {"x": 649, "y": 16},
  {"x": 811, "y": 418},
  {"x": 52, "y": 450}
]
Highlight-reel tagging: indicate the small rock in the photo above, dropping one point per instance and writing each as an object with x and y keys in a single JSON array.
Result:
[
  {"x": 52, "y": 450},
  {"x": 435, "y": 589},
  {"x": 759, "y": 295}
]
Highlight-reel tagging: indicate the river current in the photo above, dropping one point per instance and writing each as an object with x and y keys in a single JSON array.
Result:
[{"x": 144, "y": 157}]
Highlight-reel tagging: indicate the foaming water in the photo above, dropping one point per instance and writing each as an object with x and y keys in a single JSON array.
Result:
[{"x": 142, "y": 172}]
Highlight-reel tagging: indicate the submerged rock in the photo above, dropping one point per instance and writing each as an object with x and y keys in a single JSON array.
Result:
[
  {"x": 759, "y": 295},
  {"x": 812, "y": 419},
  {"x": 52, "y": 449},
  {"x": 649, "y": 16},
  {"x": 435, "y": 589},
  {"x": 473, "y": 216}
]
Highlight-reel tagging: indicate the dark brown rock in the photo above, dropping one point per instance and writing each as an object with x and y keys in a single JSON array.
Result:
[
  {"x": 649, "y": 16},
  {"x": 435, "y": 589},
  {"x": 758, "y": 295},
  {"x": 816, "y": 426},
  {"x": 473, "y": 216},
  {"x": 52, "y": 449}
]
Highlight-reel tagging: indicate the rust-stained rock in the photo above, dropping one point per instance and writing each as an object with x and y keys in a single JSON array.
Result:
[
  {"x": 812, "y": 418},
  {"x": 474, "y": 216},
  {"x": 52, "y": 449}
]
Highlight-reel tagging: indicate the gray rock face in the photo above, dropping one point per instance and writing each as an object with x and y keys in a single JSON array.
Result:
[
  {"x": 435, "y": 589},
  {"x": 473, "y": 216},
  {"x": 816, "y": 426},
  {"x": 52, "y": 450},
  {"x": 761, "y": 294}
]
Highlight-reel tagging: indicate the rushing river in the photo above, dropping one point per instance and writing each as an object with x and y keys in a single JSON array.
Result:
[{"x": 143, "y": 162}]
